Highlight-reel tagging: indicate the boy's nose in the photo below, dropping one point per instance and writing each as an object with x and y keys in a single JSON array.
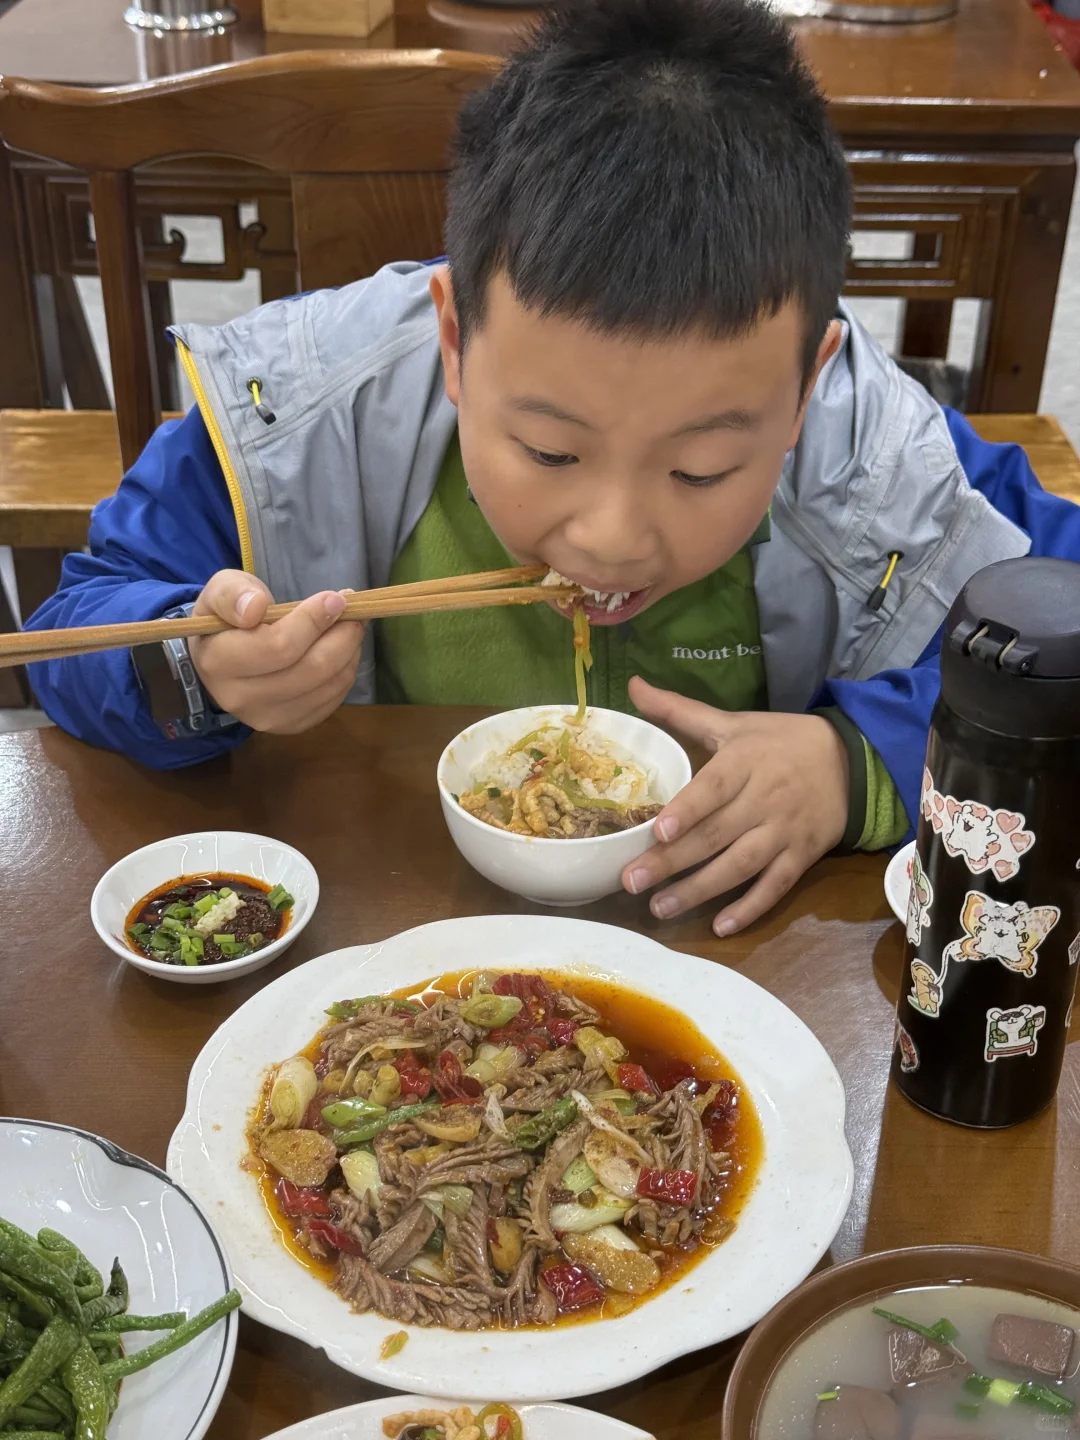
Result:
[{"x": 610, "y": 531}]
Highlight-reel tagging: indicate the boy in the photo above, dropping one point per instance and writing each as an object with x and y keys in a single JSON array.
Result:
[{"x": 634, "y": 370}]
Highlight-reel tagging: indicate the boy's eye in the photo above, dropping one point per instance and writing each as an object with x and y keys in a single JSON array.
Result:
[
  {"x": 554, "y": 459},
  {"x": 700, "y": 482}
]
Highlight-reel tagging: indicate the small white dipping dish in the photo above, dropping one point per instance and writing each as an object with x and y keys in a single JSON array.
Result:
[
  {"x": 232, "y": 852},
  {"x": 554, "y": 872}
]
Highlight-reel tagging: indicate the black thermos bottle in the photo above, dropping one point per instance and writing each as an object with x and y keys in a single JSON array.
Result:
[{"x": 993, "y": 925}]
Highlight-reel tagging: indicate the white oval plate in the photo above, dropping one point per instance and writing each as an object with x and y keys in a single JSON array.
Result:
[
  {"x": 796, "y": 1207},
  {"x": 539, "y": 1422},
  {"x": 111, "y": 1204},
  {"x": 898, "y": 881}
]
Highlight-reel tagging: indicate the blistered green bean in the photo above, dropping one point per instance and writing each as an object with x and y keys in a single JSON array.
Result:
[
  {"x": 55, "y": 1346},
  {"x": 169, "y": 1321},
  {"x": 84, "y": 1380},
  {"x": 118, "y": 1369},
  {"x": 22, "y": 1257}
]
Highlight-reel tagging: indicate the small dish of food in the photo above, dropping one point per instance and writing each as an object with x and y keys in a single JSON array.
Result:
[
  {"x": 937, "y": 1343},
  {"x": 515, "y": 1156},
  {"x": 418, "y": 1417},
  {"x": 205, "y": 907},
  {"x": 116, "y": 1300},
  {"x": 553, "y": 805}
]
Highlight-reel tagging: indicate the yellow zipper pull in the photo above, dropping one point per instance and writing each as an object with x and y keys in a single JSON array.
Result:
[
  {"x": 265, "y": 414},
  {"x": 876, "y": 598}
]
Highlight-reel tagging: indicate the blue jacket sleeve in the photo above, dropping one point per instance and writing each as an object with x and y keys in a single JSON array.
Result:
[
  {"x": 153, "y": 545},
  {"x": 893, "y": 709}
]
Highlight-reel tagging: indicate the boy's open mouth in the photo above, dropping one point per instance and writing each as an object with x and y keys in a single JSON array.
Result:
[{"x": 603, "y": 607}]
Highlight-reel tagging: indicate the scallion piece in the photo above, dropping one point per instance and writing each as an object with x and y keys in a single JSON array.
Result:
[
  {"x": 205, "y": 903},
  {"x": 1003, "y": 1392},
  {"x": 967, "y": 1410},
  {"x": 828, "y": 1395},
  {"x": 179, "y": 912},
  {"x": 977, "y": 1384},
  {"x": 139, "y": 928},
  {"x": 925, "y": 1331},
  {"x": 1054, "y": 1402},
  {"x": 944, "y": 1331},
  {"x": 279, "y": 898}
]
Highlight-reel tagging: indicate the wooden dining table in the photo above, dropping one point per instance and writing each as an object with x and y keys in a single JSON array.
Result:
[{"x": 89, "y": 1041}]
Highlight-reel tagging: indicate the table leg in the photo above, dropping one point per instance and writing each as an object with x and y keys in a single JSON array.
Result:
[{"x": 1014, "y": 329}]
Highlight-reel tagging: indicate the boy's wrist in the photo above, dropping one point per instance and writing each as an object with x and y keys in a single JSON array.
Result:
[
  {"x": 179, "y": 703},
  {"x": 852, "y": 738}
]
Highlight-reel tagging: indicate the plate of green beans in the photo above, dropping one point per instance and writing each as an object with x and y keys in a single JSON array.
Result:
[{"x": 117, "y": 1311}]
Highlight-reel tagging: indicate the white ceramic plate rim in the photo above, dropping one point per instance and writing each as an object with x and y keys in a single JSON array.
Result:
[
  {"x": 592, "y": 840},
  {"x": 898, "y": 882},
  {"x": 224, "y": 968},
  {"x": 119, "y": 1156},
  {"x": 545, "y": 1421},
  {"x": 802, "y": 1193}
]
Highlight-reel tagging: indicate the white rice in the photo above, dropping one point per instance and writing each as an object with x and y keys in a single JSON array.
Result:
[{"x": 634, "y": 786}]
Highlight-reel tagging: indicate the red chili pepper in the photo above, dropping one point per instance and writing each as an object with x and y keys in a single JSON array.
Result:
[
  {"x": 535, "y": 995},
  {"x": 671, "y": 1187},
  {"x": 503, "y": 1428},
  {"x": 415, "y": 1078},
  {"x": 535, "y": 1042},
  {"x": 719, "y": 1119},
  {"x": 637, "y": 1080},
  {"x": 453, "y": 1085},
  {"x": 670, "y": 1073},
  {"x": 572, "y": 1286},
  {"x": 298, "y": 1200},
  {"x": 336, "y": 1238},
  {"x": 563, "y": 1031},
  {"x": 313, "y": 1117}
]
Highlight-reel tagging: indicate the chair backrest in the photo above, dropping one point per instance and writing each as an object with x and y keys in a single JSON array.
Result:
[{"x": 364, "y": 136}]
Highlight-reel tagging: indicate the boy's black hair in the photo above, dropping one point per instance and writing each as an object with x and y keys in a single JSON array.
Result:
[{"x": 651, "y": 167}]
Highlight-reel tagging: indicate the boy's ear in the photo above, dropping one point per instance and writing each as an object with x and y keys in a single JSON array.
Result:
[
  {"x": 442, "y": 292},
  {"x": 830, "y": 343}
]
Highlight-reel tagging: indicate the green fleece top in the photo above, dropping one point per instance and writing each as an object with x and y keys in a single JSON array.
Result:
[{"x": 702, "y": 641}]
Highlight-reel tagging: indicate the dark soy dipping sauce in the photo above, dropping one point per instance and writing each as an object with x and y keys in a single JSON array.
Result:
[{"x": 186, "y": 890}]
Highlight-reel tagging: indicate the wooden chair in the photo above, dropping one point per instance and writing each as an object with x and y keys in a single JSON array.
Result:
[{"x": 364, "y": 137}]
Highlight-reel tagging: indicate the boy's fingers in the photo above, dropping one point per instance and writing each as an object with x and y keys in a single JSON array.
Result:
[
  {"x": 772, "y": 885},
  {"x": 703, "y": 802},
  {"x": 716, "y": 831},
  {"x": 697, "y": 721},
  {"x": 279, "y": 646},
  {"x": 743, "y": 859},
  {"x": 235, "y": 597}
]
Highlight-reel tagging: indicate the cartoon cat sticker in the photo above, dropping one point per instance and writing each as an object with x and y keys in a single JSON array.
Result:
[
  {"x": 993, "y": 930},
  {"x": 985, "y": 839},
  {"x": 925, "y": 995},
  {"x": 1012, "y": 1033},
  {"x": 920, "y": 898}
]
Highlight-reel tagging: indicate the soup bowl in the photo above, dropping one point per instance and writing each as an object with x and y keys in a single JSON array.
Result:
[
  {"x": 555, "y": 872},
  {"x": 859, "y": 1281},
  {"x": 203, "y": 852}
]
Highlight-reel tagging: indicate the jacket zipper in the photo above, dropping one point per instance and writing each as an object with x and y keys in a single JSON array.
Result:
[{"x": 236, "y": 495}]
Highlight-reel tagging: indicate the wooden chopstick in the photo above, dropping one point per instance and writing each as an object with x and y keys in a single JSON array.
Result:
[{"x": 457, "y": 592}]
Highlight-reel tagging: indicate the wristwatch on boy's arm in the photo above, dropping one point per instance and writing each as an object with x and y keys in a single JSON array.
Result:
[{"x": 178, "y": 701}]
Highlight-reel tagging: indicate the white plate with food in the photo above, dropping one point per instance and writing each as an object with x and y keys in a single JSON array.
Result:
[
  {"x": 115, "y": 1206},
  {"x": 898, "y": 881},
  {"x": 703, "y": 1231},
  {"x": 407, "y": 1417}
]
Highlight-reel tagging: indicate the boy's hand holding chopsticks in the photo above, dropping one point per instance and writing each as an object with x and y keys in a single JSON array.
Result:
[{"x": 283, "y": 677}]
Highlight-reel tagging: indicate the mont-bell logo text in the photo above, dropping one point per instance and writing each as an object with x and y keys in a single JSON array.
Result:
[{"x": 725, "y": 652}]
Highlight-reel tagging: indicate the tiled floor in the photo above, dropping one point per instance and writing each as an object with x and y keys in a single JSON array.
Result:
[{"x": 213, "y": 303}]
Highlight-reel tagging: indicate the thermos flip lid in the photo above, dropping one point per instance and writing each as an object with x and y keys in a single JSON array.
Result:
[{"x": 1010, "y": 660}]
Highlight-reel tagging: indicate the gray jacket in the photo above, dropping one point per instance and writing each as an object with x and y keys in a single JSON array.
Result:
[{"x": 327, "y": 495}]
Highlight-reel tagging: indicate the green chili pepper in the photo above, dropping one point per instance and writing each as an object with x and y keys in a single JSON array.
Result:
[
  {"x": 55, "y": 1346},
  {"x": 130, "y": 1364},
  {"x": 546, "y": 1125},
  {"x": 342, "y": 1113},
  {"x": 83, "y": 1378},
  {"x": 368, "y": 1129},
  {"x": 279, "y": 898},
  {"x": 23, "y": 1258},
  {"x": 39, "y": 1307}
]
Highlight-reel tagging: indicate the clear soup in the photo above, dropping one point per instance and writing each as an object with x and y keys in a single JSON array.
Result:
[{"x": 951, "y": 1400}]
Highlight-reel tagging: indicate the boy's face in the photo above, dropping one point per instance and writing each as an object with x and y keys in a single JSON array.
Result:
[{"x": 626, "y": 465}]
